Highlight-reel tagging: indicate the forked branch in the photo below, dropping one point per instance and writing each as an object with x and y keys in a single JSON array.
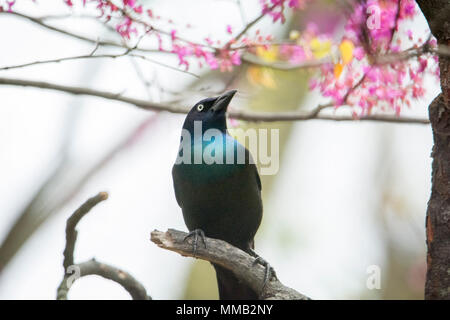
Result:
[{"x": 73, "y": 272}]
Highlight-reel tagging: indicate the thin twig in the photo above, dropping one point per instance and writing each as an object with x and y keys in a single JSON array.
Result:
[
  {"x": 57, "y": 60},
  {"x": 395, "y": 27},
  {"x": 101, "y": 56},
  {"x": 252, "y": 23}
]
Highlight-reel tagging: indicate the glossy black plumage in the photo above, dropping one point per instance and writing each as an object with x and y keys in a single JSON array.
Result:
[{"x": 222, "y": 200}]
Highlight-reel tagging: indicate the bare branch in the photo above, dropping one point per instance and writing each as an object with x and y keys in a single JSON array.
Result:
[
  {"x": 303, "y": 116},
  {"x": 143, "y": 104},
  {"x": 145, "y": 58},
  {"x": 239, "y": 115},
  {"x": 441, "y": 50},
  {"x": 57, "y": 60},
  {"x": 92, "y": 267},
  {"x": 71, "y": 232},
  {"x": 239, "y": 262}
]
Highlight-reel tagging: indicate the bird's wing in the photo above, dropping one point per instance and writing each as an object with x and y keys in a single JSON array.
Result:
[
  {"x": 175, "y": 184},
  {"x": 249, "y": 159}
]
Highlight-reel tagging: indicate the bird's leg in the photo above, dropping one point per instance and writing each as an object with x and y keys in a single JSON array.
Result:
[
  {"x": 269, "y": 271},
  {"x": 196, "y": 234}
]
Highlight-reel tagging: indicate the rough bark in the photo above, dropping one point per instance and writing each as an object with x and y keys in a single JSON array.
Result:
[
  {"x": 437, "y": 13},
  {"x": 225, "y": 255}
]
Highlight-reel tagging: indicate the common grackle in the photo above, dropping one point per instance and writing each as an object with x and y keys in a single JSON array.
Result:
[{"x": 222, "y": 198}]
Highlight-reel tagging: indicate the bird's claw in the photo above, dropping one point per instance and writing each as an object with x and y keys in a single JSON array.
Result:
[
  {"x": 269, "y": 272},
  {"x": 196, "y": 234}
]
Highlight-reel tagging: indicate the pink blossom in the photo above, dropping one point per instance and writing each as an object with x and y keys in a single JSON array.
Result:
[
  {"x": 129, "y": 3},
  {"x": 182, "y": 52},
  {"x": 359, "y": 53},
  {"x": 211, "y": 60},
  {"x": 294, "y": 3},
  {"x": 236, "y": 58},
  {"x": 125, "y": 29},
  {"x": 313, "y": 84},
  {"x": 10, "y": 5},
  {"x": 409, "y": 33},
  {"x": 423, "y": 64}
]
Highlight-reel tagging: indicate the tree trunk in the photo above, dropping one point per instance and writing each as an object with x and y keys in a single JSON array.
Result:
[{"x": 437, "y": 13}]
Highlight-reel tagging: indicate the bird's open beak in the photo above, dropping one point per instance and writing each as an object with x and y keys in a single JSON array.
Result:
[{"x": 223, "y": 101}]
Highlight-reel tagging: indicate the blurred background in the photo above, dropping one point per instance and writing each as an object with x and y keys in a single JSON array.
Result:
[{"x": 347, "y": 196}]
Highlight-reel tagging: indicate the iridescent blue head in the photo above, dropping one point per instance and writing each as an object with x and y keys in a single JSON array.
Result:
[{"x": 211, "y": 112}]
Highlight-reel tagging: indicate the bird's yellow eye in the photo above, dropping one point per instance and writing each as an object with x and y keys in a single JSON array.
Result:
[{"x": 200, "y": 107}]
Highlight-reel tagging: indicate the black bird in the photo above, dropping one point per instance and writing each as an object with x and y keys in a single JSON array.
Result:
[{"x": 221, "y": 200}]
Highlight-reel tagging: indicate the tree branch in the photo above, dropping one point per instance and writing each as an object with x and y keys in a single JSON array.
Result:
[
  {"x": 221, "y": 253},
  {"x": 71, "y": 232},
  {"x": 143, "y": 104},
  {"x": 239, "y": 115},
  {"x": 382, "y": 59},
  {"x": 92, "y": 267}
]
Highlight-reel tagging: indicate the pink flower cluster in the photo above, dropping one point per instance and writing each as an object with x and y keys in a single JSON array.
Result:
[
  {"x": 366, "y": 86},
  {"x": 223, "y": 59},
  {"x": 379, "y": 19},
  {"x": 367, "y": 83}
]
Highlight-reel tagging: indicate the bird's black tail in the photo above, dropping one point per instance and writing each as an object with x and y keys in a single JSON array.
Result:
[{"x": 231, "y": 288}]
